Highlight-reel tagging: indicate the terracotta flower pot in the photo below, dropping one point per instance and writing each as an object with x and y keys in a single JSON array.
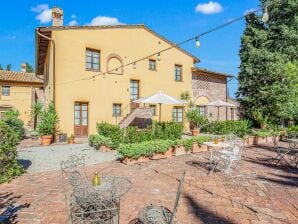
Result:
[
  {"x": 163, "y": 155},
  {"x": 129, "y": 161},
  {"x": 195, "y": 132},
  {"x": 71, "y": 141},
  {"x": 198, "y": 148},
  {"x": 179, "y": 150},
  {"x": 46, "y": 140}
]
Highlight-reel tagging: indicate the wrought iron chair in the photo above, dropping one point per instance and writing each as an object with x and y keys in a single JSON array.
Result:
[
  {"x": 288, "y": 156},
  {"x": 94, "y": 209},
  {"x": 228, "y": 161},
  {"x": 72, "y": 175},
  {"x": 155, "y": 214}
]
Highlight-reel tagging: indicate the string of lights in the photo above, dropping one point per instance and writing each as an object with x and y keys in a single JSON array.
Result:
[{"x": 196, "y": 38}]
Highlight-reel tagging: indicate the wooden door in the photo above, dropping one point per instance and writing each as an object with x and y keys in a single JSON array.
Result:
[{"x": 81, "y": 119}]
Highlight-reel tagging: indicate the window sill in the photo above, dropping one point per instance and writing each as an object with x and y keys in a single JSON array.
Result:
[
  {"x": 178, "y": 80},
  {"x": 153, "y": 70},
  {"x": 92, "y": 70},
  {"x": 116, "y": 115}
]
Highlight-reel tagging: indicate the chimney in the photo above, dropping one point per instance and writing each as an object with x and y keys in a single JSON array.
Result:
[
  {"x": 57, "y": 16},
  {"x": 23, "y": 67}
]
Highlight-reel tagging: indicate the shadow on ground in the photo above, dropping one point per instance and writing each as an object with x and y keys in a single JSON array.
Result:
[
  {"x": 204, "y": 214},
  {"x": 9, "y": 208},
  {"x": 284, "y": 180}
]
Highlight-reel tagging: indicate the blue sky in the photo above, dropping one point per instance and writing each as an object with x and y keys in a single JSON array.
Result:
[{"x": 176, "y": 20}]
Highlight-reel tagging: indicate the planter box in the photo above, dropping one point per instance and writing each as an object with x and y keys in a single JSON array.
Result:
[
  {"x": 104, "y": 148},
  {"x": 251, "y": 140},
  {"x": 164, "y": 155},
  {"x": 254, "y": 140},
  {"x": 261, "y": 140},
  {"x": 198, "y": 148},
  {"x": 129, "y": 161},
  {"x": 179, "y": 150}
]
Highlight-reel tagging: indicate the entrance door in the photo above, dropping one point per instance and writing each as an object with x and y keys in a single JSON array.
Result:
[{"x": 81, "y": 119}]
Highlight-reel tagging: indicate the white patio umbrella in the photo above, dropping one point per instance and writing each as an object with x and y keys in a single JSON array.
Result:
[
  {"x": 160, "y": 98},
  {"x": 218, "y": 104}
]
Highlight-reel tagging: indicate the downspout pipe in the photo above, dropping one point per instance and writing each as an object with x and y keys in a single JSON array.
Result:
[
  {"x": 227, "y": 94},
  {"x": 53, "y": 43}
]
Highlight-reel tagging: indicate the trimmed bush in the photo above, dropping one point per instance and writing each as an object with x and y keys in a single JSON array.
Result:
[
  {"x": 166, "y": 130},
  {"x": 239, "y": 128},
  {"x": 97, "y": 140},
  {"x": 147, "y": 149},
  {"x": 187, "y": 143},
  {"x": 133, "y": 135},
  {"x": 11, "y": 118},
  {"x": 111, "y": 131},
  {"x": 9, "y": 167}
]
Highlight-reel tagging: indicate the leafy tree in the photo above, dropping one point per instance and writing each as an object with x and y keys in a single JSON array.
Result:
[
  {"x": 265, "y": 49},
  {"x": 8, "y": 67},
  {"x": 11, "y": 118},
  {"x": 1, "y": 67},
  {"x": 29, "y": 68}
]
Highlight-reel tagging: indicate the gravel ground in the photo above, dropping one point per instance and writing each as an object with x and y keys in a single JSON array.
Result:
[{"x": 40, "y": 159}]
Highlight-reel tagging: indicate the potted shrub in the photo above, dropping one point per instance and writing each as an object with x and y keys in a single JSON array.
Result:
[
  {"x": 47, "y": 125},
  {"x": 70, "y": 139},
  {"x": 196, "y": 120}
]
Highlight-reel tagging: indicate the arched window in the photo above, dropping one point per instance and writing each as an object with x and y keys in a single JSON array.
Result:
[
  {"x": 114, "y": 64},
  {"x": 200, "y": 103}
]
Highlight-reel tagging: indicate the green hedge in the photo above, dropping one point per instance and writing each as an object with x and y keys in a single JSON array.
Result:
[
  {"x": 149, "y": 148},
  {"x": 97, "y": 140},
  {"x": 158, "y": 130},
  {"x": 239, "y": 128},
  {"x": 9, "y": 167},
  {"x": 111, "y": 131}
]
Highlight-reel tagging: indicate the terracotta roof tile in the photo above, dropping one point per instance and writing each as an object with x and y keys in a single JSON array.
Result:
[{"x": 19, "y": 77}]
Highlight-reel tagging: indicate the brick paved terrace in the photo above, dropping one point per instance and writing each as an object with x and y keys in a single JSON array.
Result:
[{"x": 262, "y": 194}]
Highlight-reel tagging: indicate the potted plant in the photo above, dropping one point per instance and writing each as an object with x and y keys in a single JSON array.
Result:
[
  {"x": 196, "y": 120},
  {"x": 70, "y": 139},
  {"x": 47, "y": 125}
]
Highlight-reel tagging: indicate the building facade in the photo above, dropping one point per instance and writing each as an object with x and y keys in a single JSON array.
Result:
[
  {"x": 91, "y": 75},
  {"x": 19, "y": 90}
]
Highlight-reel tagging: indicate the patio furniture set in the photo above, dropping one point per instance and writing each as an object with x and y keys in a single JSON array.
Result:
[
  {"x": 225, "y": 155},
  {"x": 89, "y": 203},
  {"x": 286, "y": 155}
]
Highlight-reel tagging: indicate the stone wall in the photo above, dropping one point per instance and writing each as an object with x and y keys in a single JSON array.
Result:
[{"x": 213, "y": 87}]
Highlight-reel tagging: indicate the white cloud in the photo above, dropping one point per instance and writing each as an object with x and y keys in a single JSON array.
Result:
[
  {"x": 249, "y": 11},
  {"x": 73, "y": 16},
  {"x": 104, "y": 20},
  {"x": 73, "y": 23},
  {"x": 44, "y": 13},
  {"x": 209, "y": 8}
]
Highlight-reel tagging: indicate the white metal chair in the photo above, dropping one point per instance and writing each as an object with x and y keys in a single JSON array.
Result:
[{"x": 226, "y": 160}]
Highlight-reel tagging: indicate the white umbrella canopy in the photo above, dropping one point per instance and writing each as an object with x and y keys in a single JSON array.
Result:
[
  {"x": 218, "y": 104},
  {"x": 160, "y": 98}
]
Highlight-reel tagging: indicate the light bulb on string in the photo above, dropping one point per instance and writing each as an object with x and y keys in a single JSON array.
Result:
[
  {"x": 265, "y": 17},
  {"x": 198, "y": 44},
  {"x": 158, "y": 56}
]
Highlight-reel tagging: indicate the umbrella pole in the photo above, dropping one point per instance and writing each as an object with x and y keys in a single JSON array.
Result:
[
  {"x": 160, "y": 112},
  {"x": 217, "y": 113}
]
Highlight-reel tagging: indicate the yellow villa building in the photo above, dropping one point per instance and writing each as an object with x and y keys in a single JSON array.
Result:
[
  {"x": 19, "y": 90},
  {"x": 80, "y": 76}
]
